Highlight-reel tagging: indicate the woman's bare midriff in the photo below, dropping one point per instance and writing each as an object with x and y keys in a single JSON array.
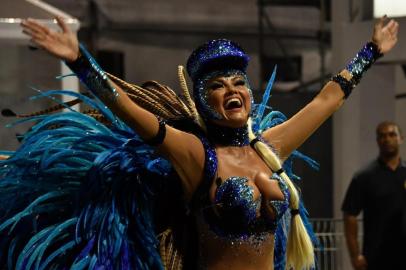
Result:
[{"x": 217, "y": 253}]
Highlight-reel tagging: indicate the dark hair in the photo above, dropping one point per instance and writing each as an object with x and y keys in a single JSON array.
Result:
[{"x": 388, "y": 123}]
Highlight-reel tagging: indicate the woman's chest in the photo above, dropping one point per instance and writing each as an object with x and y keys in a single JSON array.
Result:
[
  {"x": 245, "y": 173},
  {"x": 241, "y": 197}
]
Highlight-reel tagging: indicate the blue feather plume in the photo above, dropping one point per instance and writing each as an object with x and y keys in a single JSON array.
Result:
[{"x": 86, "y": 191}]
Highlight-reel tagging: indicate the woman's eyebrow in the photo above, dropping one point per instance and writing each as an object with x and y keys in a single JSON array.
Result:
[
  {"x": 214, "y": 81},
  {"x": 238, "y": 77},
  {"x": 217, "y": 80}
]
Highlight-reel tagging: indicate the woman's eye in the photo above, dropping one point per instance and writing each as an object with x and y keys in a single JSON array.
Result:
[
  {"x": 239, "y": 83},
  {"x": 214, "y": 86}
]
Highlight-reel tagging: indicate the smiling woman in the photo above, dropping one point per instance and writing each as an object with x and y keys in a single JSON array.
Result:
[
  {"x": 230, "y": 98},
  {"x": 97, "y": 176}
]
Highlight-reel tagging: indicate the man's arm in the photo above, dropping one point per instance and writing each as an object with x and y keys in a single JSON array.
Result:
[{"x": 351, "y": 235}]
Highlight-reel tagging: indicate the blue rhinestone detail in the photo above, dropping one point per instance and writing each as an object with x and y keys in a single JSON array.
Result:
[
  {"x": 92, "y": 75},
  {"x": 218, "y": 57},
  {"x": 281, "y": 206},
  {"x": 362, "y": 61},
  {"x": 216, "y": 54},
  {"x": 227, "y": 136}
]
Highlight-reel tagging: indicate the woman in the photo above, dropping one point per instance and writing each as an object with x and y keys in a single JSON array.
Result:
[{"x": 232, "y": 181}]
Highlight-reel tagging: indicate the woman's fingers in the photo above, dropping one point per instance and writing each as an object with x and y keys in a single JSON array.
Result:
[
  {"x": 394, "y": 28},
  {"x": 39, "y": 34},
  {"x": 34, "y": 35},
  {"x": 391, "y": 24},
  {"x": 39, "y": 27},
  {"x": 35, "y": 32},
  {"x": 62, "y": 24},
  {"x": 28, "y": 32},
  {"x": 35, "y": 26},
  {"x": 381, "y": 22},
  {"x": 61, "y": 44}
]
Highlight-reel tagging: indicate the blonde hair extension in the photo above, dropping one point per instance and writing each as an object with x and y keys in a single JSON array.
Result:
[
  {"x": 300, "y": 253},
  {"x": 154, "y": 97},
  {"x": 191, "y": 104},
  {"x": 185, "y": 91}
]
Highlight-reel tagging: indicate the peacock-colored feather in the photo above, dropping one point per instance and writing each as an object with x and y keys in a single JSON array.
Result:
[{"x": 87, "y": 187}]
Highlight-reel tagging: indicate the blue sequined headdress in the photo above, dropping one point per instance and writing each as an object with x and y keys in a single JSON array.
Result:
[{"x": 219, "y": 57}]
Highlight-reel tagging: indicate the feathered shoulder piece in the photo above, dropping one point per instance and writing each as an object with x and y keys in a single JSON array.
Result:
[{"x": 79, "y": 193}]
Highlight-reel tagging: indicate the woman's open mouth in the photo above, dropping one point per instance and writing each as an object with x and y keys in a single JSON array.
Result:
[{"x": 233, "y": 104}]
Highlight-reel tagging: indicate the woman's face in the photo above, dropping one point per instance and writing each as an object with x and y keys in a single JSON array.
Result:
[{"x": 229, "y": 97}]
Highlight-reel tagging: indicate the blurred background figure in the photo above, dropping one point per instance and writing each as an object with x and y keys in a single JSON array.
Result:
[{"x": 379, "y": 191}]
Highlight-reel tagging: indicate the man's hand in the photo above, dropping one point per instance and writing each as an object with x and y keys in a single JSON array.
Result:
[{"x": 359, "y": 262}]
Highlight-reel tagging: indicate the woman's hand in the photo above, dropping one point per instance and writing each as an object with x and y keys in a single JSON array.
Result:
[
  {"x": 63, "y": 45},
  {"x": 385, "y": 34}
]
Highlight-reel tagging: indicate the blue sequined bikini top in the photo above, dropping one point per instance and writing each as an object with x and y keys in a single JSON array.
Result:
[{"x": 235, "y": 213}]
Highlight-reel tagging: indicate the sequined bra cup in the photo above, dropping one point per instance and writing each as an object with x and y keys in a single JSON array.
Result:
[{"x": 235, "y": 214}]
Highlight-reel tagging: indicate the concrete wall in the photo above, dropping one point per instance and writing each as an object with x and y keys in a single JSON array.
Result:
[
  {"x": 372, "y": 102},
  {"x": 400, "y": 88},
  {"x": 21, "y": 69}
]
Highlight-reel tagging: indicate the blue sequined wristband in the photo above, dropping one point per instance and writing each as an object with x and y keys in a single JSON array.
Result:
[
  {"x": 357, "y": 67},
  {"x": 363, "y": 61},
  {"x": 91, "y": 75}
]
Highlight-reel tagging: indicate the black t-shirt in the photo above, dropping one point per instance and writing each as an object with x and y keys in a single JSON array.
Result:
[{"x": 381, "y": 194}]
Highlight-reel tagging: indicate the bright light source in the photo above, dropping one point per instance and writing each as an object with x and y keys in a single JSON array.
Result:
[{"x": 392, "y": 8}]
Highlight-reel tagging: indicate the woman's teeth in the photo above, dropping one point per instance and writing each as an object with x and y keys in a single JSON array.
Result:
[{"x": 233, "y": 103}]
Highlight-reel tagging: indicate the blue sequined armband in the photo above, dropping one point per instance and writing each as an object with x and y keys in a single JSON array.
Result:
[
  {"x": 363, "y": 61},
  {"x": 357, "y": 67},
  {"x": 91, "y": 74}
]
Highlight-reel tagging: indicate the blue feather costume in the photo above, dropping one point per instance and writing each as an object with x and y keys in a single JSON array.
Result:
[
  {"x": 83, "y": 194},
  {"x": 83, "y": 190}
]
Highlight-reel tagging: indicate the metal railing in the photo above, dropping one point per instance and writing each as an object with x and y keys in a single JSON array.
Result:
[{"x": 330, "y": 254}]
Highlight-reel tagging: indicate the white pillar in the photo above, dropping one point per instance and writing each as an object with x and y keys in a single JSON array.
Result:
[{"x": 69, "y": 83}]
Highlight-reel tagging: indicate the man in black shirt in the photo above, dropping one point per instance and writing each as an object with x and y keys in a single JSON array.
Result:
[{"x": 379, "y": 190}]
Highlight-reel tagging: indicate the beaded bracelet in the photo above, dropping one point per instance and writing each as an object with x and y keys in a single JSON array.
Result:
[{"x": 346, "y": 85}]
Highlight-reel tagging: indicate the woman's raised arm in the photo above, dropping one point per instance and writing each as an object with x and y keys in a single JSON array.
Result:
[
  {"x": 183, "y": 149},
  {"x": 289, "y": 135}
]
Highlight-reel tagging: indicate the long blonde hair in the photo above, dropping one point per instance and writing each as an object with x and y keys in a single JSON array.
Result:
[{"x": 300, "y": 253}]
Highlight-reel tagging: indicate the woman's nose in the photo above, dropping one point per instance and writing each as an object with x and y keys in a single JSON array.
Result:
[{"x": 231, "y": 89}]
